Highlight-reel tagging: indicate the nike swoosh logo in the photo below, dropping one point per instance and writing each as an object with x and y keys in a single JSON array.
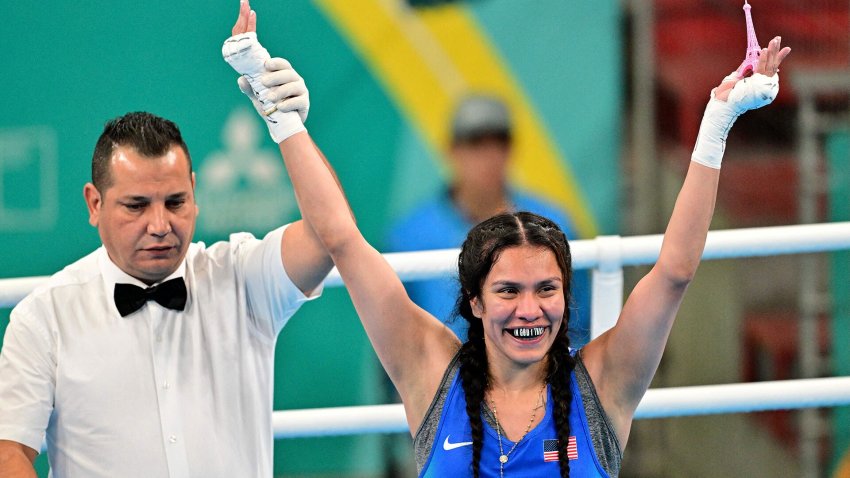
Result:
[{"x": 451, "y": 446}]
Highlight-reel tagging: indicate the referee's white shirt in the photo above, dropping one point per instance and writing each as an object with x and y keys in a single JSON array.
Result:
[{"x": 159, "y": 393}]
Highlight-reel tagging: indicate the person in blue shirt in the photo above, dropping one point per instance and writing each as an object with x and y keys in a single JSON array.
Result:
[
  {"x": 513, "y": 399},
  {"x": 479, "y": 156}
]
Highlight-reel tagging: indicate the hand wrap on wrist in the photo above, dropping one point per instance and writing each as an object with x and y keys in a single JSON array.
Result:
[
  {"x": 747, "y": 94},
  {"x": 247, "y": 56}
]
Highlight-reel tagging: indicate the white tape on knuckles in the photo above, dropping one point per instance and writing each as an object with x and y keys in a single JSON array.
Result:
[
  {"x": 754, "y": 92},
  {"x": 245, "y": 54}
]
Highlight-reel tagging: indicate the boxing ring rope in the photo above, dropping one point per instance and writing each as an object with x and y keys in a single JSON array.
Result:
[
  {"x": 605, "y": 256},
  {"x": 604, "y": 253},
  {"x": 657, "y": 403}
]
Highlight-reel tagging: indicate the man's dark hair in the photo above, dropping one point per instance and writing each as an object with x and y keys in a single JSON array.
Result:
[{"x": 149, "y": 134}]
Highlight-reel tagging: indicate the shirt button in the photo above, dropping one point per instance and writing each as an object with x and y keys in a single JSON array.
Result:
[
  {"x": 159, "y": 338},
  {"x": 173, "y": 438},
  {"x": 165, "y": 385}
]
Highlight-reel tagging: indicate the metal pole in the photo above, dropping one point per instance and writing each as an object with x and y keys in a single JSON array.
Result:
[
  {"x": 811, "y": 124},
  {"x": 645, "y": 189},
  {"x": 808, "y": 281}
]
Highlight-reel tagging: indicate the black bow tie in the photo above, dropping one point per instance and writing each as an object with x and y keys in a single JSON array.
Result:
[{"x": 130, "y": 298}]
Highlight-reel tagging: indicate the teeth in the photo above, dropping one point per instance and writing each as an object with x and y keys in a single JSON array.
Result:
[{"x": 527, "y": 332}]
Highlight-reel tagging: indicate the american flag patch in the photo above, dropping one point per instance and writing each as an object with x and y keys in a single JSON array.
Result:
[{"x": 550, "y": 449}]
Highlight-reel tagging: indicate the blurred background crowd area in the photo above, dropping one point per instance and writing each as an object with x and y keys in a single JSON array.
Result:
[{"x": 605, "y": 99}]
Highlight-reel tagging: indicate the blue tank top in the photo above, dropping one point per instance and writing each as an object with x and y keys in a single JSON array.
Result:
[{"x": 535, "y": 456}]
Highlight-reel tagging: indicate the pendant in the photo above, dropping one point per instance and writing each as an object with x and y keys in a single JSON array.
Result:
[{"x": 503, "y": 459}]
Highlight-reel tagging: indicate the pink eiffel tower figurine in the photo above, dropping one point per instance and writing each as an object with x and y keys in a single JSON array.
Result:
[{"x": 751, "y": 60}]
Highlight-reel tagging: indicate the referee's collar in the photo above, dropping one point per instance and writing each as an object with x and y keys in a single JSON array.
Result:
[{"x": 112, "y": 274}]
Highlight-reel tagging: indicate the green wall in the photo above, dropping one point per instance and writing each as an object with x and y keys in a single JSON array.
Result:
[{"x": 838, "y": 157}]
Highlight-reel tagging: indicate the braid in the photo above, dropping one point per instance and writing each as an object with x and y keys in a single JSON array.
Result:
[
  {"x": 475, "y": 379},
  {"x": 561, "y": 364}
]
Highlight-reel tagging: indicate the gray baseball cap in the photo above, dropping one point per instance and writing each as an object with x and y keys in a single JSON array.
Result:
[{"x": 479, "y": 115}]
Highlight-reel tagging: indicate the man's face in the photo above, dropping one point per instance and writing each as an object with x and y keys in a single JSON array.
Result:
[
  {"x": 481, "y": 164},
  {"x": 146, "y": 217}
]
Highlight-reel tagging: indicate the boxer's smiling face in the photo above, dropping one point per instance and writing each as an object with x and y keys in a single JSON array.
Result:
[
  {"x": 521, "y": 305},
  {"x": 146, "y": 215}
]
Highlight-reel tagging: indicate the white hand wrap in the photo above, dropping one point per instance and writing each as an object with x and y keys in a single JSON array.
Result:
[
  {"x": 747, "y": 94},
  {"x": 248, "y": 57}
]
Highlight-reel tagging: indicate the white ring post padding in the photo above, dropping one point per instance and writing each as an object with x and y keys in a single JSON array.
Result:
[
  {"x": 657, "y": 403},
  {"x": 607, "y": 285}
]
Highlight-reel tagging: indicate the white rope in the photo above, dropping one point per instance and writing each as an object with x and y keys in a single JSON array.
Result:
[
  {"x": 337, "y": 421},
  {"x": 745, "y": 397},
  {"x": 13, "y": 290},
  {"x": 587, "y": 254},
  {"x": 636, "y": 250},
  {"x": 657, "y": 403},
  {"x": 643, "y": 250}
]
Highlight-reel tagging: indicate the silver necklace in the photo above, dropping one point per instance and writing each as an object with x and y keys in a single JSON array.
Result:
[{"x": 503, "y": 457}]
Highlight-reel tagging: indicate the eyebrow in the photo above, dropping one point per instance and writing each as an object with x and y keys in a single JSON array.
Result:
[
  {"x": 134, "y": 199},
  {"x": 544, "y": 281},
  {"x": 180, "y": 195}
]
